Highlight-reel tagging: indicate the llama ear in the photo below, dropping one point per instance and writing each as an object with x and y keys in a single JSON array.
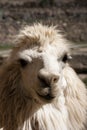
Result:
[{"x": 23, "y": 62}]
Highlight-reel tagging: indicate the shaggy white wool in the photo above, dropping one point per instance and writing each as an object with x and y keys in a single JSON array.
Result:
[
  {"x": 68, "y": 110},
  {"x": 56, "y": 116}
]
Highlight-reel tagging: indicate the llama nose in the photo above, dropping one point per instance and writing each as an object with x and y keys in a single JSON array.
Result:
[{"x": 49, "y": 80}]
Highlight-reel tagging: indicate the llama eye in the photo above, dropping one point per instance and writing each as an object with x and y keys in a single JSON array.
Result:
[
  {"x": 65, "y": 58},
  {"x": 23, "y": 62}
]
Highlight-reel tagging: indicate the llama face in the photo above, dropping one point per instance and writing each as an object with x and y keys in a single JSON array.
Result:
[
  {"x": 42, "y": 52},
  {"x": 41, "y": 69}
]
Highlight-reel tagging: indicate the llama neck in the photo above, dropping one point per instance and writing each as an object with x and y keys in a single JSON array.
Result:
[{"x": 50, "y": 116}]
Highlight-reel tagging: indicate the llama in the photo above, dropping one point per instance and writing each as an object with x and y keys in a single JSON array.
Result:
[{"x": 38, "y": 88}]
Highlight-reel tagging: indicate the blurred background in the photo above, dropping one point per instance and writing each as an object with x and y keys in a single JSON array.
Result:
[{"x": 69, "y": 15}]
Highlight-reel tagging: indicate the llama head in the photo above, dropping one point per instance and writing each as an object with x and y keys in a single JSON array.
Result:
[{"x": 42, "y": 55}]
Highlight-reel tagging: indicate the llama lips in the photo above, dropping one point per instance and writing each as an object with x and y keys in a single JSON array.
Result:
[
  {"x": 46, "y": 94},
  {"x": 47, "y": 97}
]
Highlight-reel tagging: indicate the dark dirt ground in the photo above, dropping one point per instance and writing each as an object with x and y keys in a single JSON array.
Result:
[{"x": 69, "y": 15}]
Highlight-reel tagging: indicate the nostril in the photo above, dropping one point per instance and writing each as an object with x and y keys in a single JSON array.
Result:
[{"x": 54, "y": 79}]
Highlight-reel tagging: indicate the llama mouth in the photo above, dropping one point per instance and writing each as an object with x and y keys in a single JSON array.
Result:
[
  {"x": 45, "y": 93},
  {"x": 47, "y": 97}
]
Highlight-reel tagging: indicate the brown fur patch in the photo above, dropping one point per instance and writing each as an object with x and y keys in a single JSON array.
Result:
[{"x": 14, "y": 109}]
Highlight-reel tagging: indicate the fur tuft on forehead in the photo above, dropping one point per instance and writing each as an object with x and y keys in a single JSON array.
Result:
[{"x": 39, "y": 35}]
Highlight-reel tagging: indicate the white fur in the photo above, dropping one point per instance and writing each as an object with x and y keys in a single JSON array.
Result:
[
  {"x": 55, "y": 116},
  {"x": 68, "y": 110}
]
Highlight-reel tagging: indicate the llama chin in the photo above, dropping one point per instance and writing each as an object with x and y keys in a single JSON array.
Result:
[{"x": 38, "y": 88}]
